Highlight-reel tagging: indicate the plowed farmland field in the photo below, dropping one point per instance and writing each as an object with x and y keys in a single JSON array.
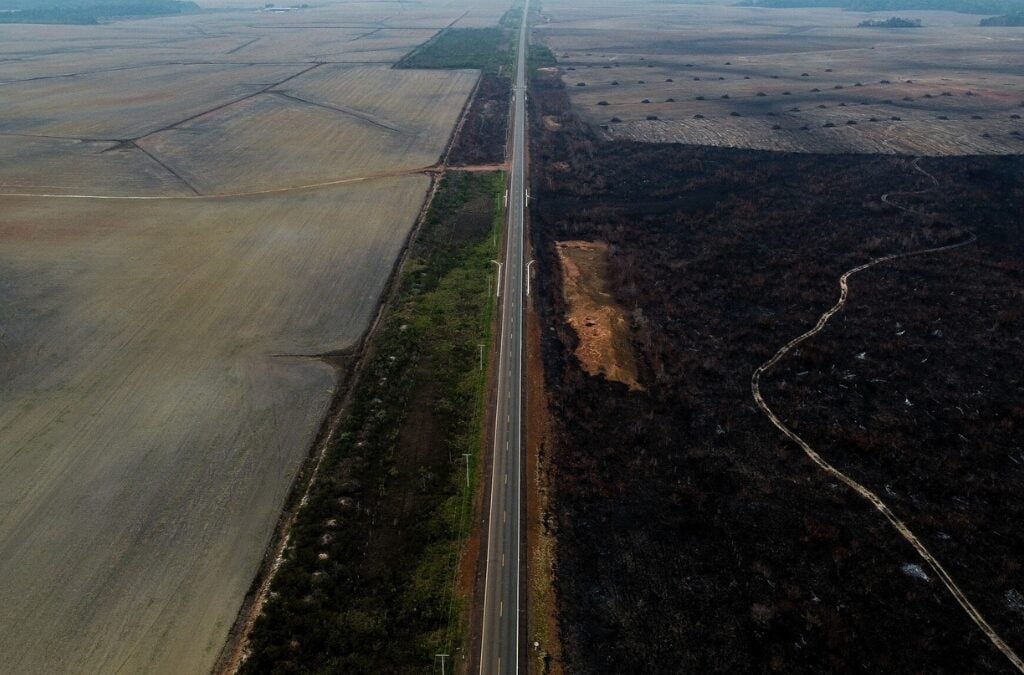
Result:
[
  {"x": 193, "y": 211},
  {"x": 158, "y": 391}
]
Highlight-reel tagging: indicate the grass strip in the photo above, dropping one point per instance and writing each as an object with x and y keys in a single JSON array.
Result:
[{"x": 368, "y": 581}]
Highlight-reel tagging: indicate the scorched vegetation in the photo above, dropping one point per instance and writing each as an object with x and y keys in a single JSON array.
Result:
[{"x": 692, "y": 536}]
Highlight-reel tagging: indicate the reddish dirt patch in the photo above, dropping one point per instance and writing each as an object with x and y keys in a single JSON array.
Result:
[
  {"x": 551, "y": 123},
  {"x": 604, "y": 338}
]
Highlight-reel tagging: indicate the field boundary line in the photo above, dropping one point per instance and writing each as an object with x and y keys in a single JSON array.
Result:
[
  {"x": 228, "y": 104},
  {"x": 365, "y": 117},
  {"x": 243, "y": 45},
  {"x": 428, "y": 170},
  {"x": 166, "y": 168},
  {"x": 875, "y": 500}
]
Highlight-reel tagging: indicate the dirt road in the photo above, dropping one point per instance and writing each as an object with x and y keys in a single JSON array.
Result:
[{"x": 864, "y": 492}]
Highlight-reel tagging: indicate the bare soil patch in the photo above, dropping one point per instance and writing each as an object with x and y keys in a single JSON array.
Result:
[{"x": 601, "y": 325}]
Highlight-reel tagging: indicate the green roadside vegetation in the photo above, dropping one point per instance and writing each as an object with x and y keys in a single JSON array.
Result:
[{"x": 368, "y": 581}]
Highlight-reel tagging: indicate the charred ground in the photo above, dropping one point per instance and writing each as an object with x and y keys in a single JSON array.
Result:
[
  {"x": 482, "y": 140},
  {"x": 691, "y": 536}
]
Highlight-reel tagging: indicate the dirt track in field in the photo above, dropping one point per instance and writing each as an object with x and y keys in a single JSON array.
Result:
[
  {"x": 171, "y": 256},
  {"x": 857, "y": 487}
]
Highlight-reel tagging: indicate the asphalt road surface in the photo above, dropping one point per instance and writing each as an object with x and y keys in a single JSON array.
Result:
[{"x": 499, "y": 650}]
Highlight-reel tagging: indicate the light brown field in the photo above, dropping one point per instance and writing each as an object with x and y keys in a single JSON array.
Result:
[
  {"x": 53, "y": 166},
  {"x": 757, "y": 71},
  {"x": 600, "y": 323},
  {"x": 156, "y": 398},
  {"x": 159, "y": 379},
  {"x": 334, "y": 122}
]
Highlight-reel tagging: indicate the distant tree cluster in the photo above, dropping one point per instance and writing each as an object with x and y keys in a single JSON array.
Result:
[
  {"x": 88, "y": 11},
  {"x": 892, "y": 22},
  {"x": 963, "y": 6},
  {"x": 1005, "y": 20},
  {"x": 487, "y": 49}
]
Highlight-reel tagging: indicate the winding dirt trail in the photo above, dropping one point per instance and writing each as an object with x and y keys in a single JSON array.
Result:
[
  {"x": 886, "y": 198},
  {"x": 901, "y": 527}
]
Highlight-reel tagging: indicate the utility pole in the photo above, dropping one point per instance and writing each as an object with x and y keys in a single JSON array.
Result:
[
  {"x": 497, "y": 291},
  {"x": 481, "y": 346},
  {"x": 528, "y": 277},
  {"x": 443, "y": 657},
  {"x": 467, "y": 456}
]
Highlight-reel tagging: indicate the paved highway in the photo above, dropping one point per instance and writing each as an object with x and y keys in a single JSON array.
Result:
[{"x": 499, "y": 650}]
